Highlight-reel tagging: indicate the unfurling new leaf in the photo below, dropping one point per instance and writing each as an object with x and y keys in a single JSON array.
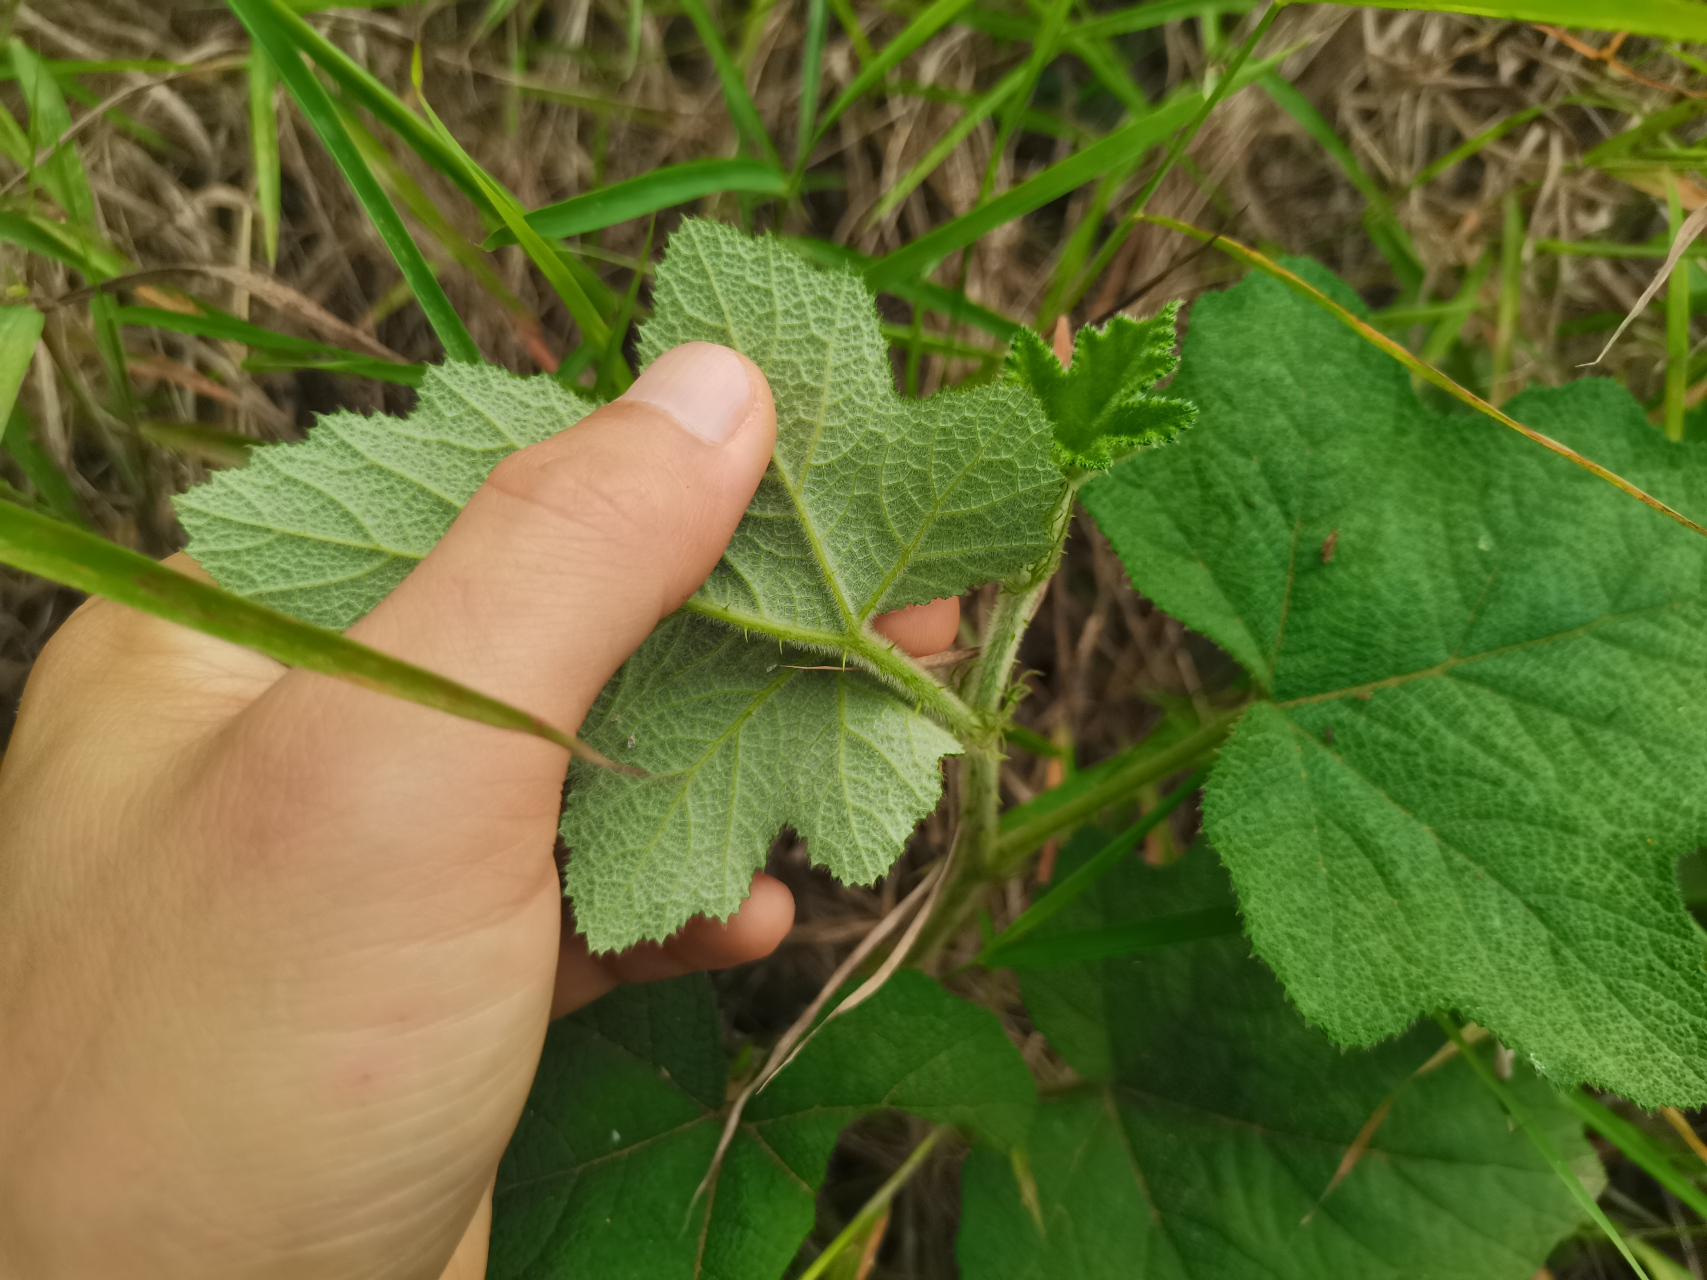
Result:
[{"x": 1102, "y": 406}]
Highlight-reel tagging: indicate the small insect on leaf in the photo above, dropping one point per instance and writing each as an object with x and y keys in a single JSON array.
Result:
[{"x": 1328, "y": 545}]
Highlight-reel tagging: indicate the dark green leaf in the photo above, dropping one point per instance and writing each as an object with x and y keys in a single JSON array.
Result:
[
  {"x": 735, "y": 96},
  {"x": 626, "y": 1110},
  {"x": 1488, "y": 741},
  {"x": 1217, "y": 1142}
]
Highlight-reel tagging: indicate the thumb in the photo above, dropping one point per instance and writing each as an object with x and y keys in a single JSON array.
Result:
[{"x": 560, "y": 565}]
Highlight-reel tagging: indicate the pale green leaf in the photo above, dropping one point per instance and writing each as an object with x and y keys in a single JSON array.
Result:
[
  {"x": 1213, "y": 1143},
  {"x": 325, "y": 528},
  {"x": 872, "y": 503},
  {"x": 1487, "y": 745},
  {"x": 737, "y": 741},
  {"x": 625, "y": 1113}
]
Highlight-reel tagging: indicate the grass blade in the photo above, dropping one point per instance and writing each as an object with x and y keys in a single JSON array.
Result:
[
  {"x": 282, "y": 351},
  {"x": 264, "y": 146},
  {"x": 1391, "y": 240},
  {"x": 1100, "y": 864},
  {"x": 1641, "y": 1147},
  {"x": 20, "y": 330},
  {"x": 1511, "y": 297},
  {"x": 811, "y": 71},
  {"x": 199, "y": 440},
  {"x": 593, "y": 327},
  {"x": 1230, "y": 81},
  {"x": 277, "y": 38},
  {"x": 56, "y": 551},
  {"x": 1458, "y": 310},
  {"x": 1677, "y": 325},
  {"x": 650, "y": 193},
  {"x": 1669, "y": 19},
  {"x": 1541, "y": 1142},
  {"x": 52, "y": 487},
  {"x": 735, "y": 96},
  {"x": 1082, "y": 796},
  {"x": 61, "y": 173},
  {"x": 62, "y": 242},
  {"x": 933, "y": 19},
  {"x": 613, "y": 357},
  {"x": 1251, "y": 258},
  {"x": 976, "y": 111},
  {"x": 401, "y": 186},
  {"x": 1121, "y": 146},
  {"x": 1115, "y": 941},
  {"x": 1493, "y": 133},
  {"x": 1136, "y": 17},
  {"x": 362, "y": 88}
]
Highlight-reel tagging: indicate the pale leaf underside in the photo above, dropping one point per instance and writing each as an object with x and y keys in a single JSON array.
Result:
[{"x": 872, "y": 503}]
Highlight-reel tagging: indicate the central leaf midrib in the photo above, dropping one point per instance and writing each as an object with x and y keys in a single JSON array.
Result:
[
  {"x": 683, "y": 778},
  {"x": 1448, "y": 665}
]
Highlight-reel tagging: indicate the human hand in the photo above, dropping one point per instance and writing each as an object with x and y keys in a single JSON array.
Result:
[{"x": 277, "y": 954}]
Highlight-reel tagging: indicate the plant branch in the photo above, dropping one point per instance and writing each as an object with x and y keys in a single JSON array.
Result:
[{"x": 872, "y": 653}]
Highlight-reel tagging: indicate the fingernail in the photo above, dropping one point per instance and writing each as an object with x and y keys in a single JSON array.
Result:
[{"x": 704, "y": 386}]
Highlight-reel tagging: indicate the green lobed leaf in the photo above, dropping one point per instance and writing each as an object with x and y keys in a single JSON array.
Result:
[
  {"x": 738, "y": 740},
  {"x": 1101, "y": 406},
  {"x": 871, "y": 503},
  {"x": 1208, "y": 1146},
  {"x": 626, "y": 1110},
  {"x": 323, "y": 529},
  {"x": 1487, "y": 745}
]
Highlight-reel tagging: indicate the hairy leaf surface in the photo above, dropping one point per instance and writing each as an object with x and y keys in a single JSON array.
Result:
[
  {"x": 626, "y": 1111},
  {"x": 1208, "y": 1147},
  {"x": 1101, "y": 407},
  {"x": 1487, "y": 744},
  {"x": 324, "y": 529},
  {"x": 738, "y": 740},
  {"x": 871, "y": 503}
]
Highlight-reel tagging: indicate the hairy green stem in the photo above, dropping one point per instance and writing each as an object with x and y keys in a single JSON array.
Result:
[
  {"x": 872, "y": 654},
  {"x": 981, "y": 768}
]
